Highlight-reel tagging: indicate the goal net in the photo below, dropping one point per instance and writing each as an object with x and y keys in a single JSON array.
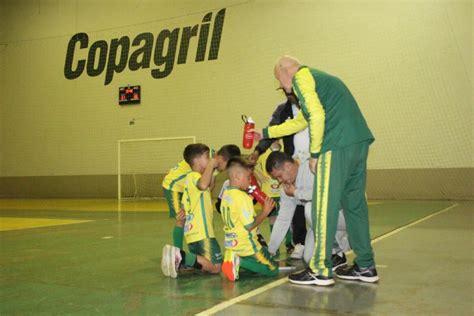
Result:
[{"x": 143, "y": 163}]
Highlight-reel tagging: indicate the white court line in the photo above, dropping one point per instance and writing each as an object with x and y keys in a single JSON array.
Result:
[
  {"x": 382, "y": 237},
  {"x": 271, "y": 285},
  {"x": 242, "y": 297}
]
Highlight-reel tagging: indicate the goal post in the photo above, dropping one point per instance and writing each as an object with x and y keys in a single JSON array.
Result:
[{"x": 142, "y": 164}]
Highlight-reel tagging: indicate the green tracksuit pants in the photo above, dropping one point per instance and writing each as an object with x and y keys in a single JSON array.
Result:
[{"x": 340, "y": 182}]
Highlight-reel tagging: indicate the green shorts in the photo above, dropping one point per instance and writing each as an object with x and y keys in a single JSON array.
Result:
[
  {"x": 173, "y": 199},
  {"x": 260, "y": 263},
  {"x": 208, "y": 248},
  {"x": 275, "y": 210}
]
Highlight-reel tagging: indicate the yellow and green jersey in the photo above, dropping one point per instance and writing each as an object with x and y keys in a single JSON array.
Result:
[
  {"x": 174, "y": 180},
  {"x": 238, "y": 214},
  {"x": 328, "y": 108},
  {"x": 268, "y": 185},
  {"x": 197, "y": 205}
]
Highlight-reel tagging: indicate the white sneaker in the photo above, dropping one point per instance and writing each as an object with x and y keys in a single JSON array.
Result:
[
  {"x": 170, "y": 261},
  {"x": 174, "y": 260},
  {"x": 164, "y": 261},
  {"x": 297, "y": 252}
]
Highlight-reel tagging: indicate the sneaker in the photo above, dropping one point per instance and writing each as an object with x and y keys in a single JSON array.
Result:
[
  {"x": 170, "y": 261},
  {"x": 307, "y": 277},
  {"x": 164, "y": 261},
  {"x": 175, "y": 260},
  {"x": 297, "y": 252},
  {"x": 230, "y": 266},
  {"x": 338, "y": 261},
  {"x": 356, "y": 273}
]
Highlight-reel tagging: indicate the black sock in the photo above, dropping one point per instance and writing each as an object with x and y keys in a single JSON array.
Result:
[
  {"x": 197, "y": 265},
  {"x": 183, "y": 258},
  {"x": 261, "y": 240}
]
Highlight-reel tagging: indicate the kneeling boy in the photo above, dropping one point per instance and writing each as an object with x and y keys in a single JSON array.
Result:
[
  {"x": 173, "y": 187},
  {"x": 240, "y": 225},
  {"x": 204, "y": 251}
]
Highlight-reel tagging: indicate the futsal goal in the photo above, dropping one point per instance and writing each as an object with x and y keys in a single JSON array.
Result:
[{"x": 142, "y": 164}]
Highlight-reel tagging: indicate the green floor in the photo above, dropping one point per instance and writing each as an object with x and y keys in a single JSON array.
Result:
[
  {"x": 110, "y": 265},
  {"x": 426, "y": 269}
]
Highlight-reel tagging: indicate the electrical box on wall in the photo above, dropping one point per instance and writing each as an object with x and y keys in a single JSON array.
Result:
[{"x": 129, "y": 95}]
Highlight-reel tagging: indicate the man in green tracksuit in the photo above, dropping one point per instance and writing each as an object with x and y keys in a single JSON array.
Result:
[{"x": 339, "y": 143}]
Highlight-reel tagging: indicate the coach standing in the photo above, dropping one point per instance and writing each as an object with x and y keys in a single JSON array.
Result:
[
  {"x": 339, "y": 144},
  {"x": 297, "y": 146}
]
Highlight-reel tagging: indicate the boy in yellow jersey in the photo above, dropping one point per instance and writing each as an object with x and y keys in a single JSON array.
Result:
[
  {"x": 204, "y": 251},
  {"x": 268, "y": 185},
  {"x": 240, "y": 225},
  {"x": 173, "y": 187}
]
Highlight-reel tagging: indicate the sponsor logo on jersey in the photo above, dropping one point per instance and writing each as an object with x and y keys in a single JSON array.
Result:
[
  {"x": 189, "y": 217},
  {"x": 188, "y": 227},
  {"x": 230, "y": 243}
]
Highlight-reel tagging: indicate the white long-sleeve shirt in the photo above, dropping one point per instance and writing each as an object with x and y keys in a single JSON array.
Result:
[{"x": 304, "y": 193}]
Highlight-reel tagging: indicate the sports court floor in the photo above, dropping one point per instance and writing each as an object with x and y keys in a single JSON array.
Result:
[{"x": 103, "y": 257}]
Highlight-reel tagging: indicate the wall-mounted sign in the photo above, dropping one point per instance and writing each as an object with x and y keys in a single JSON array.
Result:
[{"x": 121, "y": 52}]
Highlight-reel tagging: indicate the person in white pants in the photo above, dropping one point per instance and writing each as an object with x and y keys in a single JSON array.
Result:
[
  {"x": 297, "y": 189},
  {"x": 294, "y": 145}
]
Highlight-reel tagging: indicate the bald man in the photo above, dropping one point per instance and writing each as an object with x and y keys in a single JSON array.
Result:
[{"x": 339, "y": 144}]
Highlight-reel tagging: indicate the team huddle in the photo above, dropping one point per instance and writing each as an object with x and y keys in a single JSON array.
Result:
[
  {"x": 319, "y": 175},
  {"x": 188, "y": 191}
]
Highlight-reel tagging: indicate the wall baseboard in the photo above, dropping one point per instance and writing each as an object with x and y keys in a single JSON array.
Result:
[
  {"x": 421, "y": 184},
  {"x": 88, "y": 186}
]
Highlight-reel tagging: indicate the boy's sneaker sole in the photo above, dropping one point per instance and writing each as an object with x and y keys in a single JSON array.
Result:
[
  {"x": 164, "y": 261},
  {"x": 172, "y": 262}
]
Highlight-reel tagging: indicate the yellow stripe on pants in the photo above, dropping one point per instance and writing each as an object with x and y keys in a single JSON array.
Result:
[
  {"x": 263, "y": 260},
  {"x": 207, "y": 249},
  {"x": 321, "y": 202}
]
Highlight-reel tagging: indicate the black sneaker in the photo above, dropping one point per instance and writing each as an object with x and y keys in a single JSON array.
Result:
[
  {"x": 356, "y": 273},
  {"x": 307, "y": 277},
  {"x": 338, "y": 261}
]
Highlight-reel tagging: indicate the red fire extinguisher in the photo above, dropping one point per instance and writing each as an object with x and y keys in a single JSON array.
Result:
[
  {"x": 247, "y": 141},
  {"x": 255, "y": 191}
]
